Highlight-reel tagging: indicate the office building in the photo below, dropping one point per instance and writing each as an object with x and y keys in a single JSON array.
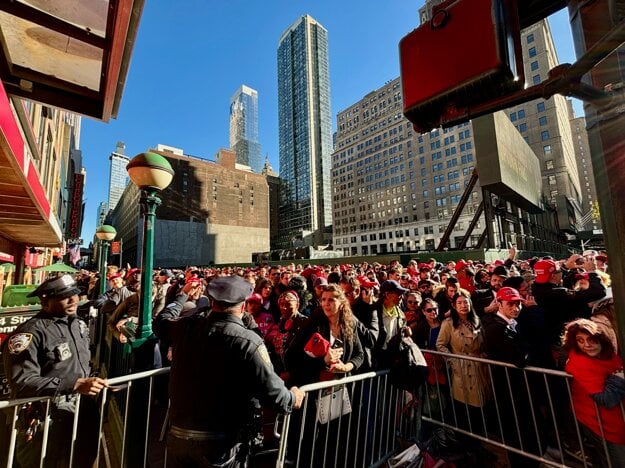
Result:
[
  {"x": 244, "y": 128},
  {"x": 589, "y": 219},
  {"x": 118, "y": 176},
  {"x": 211, "y": 213},
  {"x": 305, "y": 135},
  {"x": 103, "y": 209}
]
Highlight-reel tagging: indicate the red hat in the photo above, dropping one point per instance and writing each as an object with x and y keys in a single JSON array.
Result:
[
  {"x": 424, "y": 266},
  {"x": 509, "y": 294},
  {"x": 498, "y": 262},
  {"x": 114, "y": 275},
  {"x": 602, "y": 258},
  {"x": 544, "y": 269},
  {"x": 132, "y": 271},
  {"x": 581, "y": 276},
  {"x": 366, "y": 282},
  {"x": 460, "y": 265}
]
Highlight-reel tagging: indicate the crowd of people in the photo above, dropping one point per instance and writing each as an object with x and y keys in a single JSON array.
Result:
[{"x": 323, "y": 322}]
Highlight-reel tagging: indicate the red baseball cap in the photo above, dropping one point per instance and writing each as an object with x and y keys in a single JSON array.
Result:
[
  {"x": 366, "y": 282},
  {"x": 460, "y": 265},
  {"x": 544, "y": 269},
  {"x": 509, "y": 294}
]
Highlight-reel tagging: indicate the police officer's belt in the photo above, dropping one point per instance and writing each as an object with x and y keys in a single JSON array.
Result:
[{"x": 188, "y": 434}]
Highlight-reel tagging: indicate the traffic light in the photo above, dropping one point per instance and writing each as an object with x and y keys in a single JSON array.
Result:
[{"x": 467, "y": 53}]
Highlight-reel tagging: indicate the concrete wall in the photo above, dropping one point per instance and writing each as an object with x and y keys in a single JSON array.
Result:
[{"x": 180, "y": 243}]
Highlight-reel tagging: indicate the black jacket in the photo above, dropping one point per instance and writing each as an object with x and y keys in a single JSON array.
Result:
[
  {"x": 218, "y": 369},
  {"x": 562, "y": 305},
  {"x": 304, "y": 369},
  {"x": 46, "y": 355},
  {"x": 368, "y": 330}
]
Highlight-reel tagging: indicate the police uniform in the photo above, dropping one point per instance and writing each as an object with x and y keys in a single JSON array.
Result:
[
  {"x": 219, "y": 367},
  {"x": 45, "y": 356}
]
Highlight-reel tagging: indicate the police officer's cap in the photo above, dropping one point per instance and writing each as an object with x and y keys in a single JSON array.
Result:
[
  {"x": 61, "y": 287},
  {"x": 229, "y": 289}
]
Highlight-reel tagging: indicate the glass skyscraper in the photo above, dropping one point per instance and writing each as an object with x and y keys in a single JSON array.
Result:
[
  {"x": 305, "y": 134},
  {"x": 118, "y": 177},
  {"x": 244, "y": 128}
]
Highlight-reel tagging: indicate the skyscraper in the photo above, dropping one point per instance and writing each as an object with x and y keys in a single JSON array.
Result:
[
  {"x": 244, "y": 128},
  {"x": 305, "y": 134},
  {"x": 118, "y": 177},
  {"x": 103, "y": 210}
]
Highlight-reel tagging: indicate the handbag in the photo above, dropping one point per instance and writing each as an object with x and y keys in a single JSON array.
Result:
[{"x": 333, "y": 404}]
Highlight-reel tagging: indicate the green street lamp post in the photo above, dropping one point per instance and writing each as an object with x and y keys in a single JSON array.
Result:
[
  {"x": 151, "y": 173},
  {"x": 105, "y": 235}
]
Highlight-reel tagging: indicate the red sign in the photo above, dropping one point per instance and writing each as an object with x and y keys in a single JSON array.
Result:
[
  {"x": 5, "y": 257},
  {"x": 116, "y": 247},
  {"x": 75, "y": 214}
]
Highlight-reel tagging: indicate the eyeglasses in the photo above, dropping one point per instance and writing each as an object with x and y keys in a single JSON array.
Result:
[{"x": 431, "y": 309}]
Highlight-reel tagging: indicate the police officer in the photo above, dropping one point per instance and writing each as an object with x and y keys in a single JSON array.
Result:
[
  {"x": 48, "y": 355},
  {"x": 219, "y": 368}
]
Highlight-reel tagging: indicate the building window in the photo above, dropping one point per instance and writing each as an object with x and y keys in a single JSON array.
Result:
[
  {"x": 530, "y": 38},
  {"x": 547, "y": 149},
  {"x": 552, "y": 180},
  {"x": 540, "y": 107},
  {"x": 542, "y": 121},
  {"x": 549, "y": 164},
  {"x": 536, "y": 79},
  {"x": 534, "y": 65},
  {"x": 513, "y": 117},
  {"x": 523, "y": 127},
  {"x": 532, "y": 51},
  {"x": 544, "y": 135},
  {"x": 521, "y": 113}
]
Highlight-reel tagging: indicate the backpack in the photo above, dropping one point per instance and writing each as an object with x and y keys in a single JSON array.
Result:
[{"x": 409, "y": 369}]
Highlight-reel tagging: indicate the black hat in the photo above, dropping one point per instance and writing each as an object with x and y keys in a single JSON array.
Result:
[
  {"x": 230, "y": 289},
  {"x": 167, "y": 273},
  {"x": 500, "y": 270},
  {"x": 59, "y": 287},
  {"x": 391, "y": 286}
]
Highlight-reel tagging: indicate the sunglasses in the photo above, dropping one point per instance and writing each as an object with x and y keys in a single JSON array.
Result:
[{"x": 431, "y": 309}]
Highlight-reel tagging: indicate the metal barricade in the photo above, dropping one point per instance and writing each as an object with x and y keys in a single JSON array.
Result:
[
  {"x": 527, "y": 412},
  {"x": 114, "y": 423},
  {"x": 367, "y": 423}
]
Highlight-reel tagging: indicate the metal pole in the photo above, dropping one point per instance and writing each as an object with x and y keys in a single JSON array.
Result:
[
  {"x": 149, "y": 202},
  {"x": 590, "y": 22},
  {"x": 104, "y": 245}
]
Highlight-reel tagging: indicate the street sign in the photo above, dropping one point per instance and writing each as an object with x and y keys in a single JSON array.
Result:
[{"x": 116, "y": 247}]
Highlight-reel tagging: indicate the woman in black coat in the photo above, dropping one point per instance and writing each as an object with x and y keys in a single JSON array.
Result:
[{"x": 337, "y": 325}]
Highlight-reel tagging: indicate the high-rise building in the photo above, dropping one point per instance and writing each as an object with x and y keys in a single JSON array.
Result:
[
  {"x": 589, "y": 220},
  {"x": 103, "y": 210},
  {"x": 244, "y": 128},
  {"x": 305, "y": 135},
  {"x": 118, "y": 176}
]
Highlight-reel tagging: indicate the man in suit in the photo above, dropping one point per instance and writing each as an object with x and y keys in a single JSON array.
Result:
[{"x": 504, "y": 342}]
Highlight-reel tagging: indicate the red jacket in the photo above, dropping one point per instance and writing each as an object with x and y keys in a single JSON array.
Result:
[{"x": 589, "y": 376}]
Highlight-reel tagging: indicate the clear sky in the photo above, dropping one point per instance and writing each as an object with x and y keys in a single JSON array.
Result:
[{"x": 190, "y": 57}]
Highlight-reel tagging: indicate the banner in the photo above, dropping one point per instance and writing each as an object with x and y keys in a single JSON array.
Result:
[{"x": 116, "y": 247}]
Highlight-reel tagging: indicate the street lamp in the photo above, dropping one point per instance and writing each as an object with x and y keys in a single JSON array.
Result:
[
  {"x": 151, "y": 173},
  {"x": 105, "y": 234}
]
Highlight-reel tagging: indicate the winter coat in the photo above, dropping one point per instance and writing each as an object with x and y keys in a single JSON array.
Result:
[{"x": 469, "y": 382}]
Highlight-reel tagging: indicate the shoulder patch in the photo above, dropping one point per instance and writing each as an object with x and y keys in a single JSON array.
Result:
[
  {"x": 19, "y": 342},
  {"x": 264, "y": 354}
]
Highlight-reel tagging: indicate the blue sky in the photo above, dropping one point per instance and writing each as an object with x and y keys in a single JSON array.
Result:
[{"x": 191, "y": 56}]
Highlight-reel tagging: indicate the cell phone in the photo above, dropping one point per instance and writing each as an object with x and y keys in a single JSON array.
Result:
[{"x": 337, "y": 343}]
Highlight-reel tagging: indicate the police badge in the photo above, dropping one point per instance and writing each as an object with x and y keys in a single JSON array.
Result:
[
  {"x": 63, "y": 352},
  {"x": 19, "y": 342}
]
